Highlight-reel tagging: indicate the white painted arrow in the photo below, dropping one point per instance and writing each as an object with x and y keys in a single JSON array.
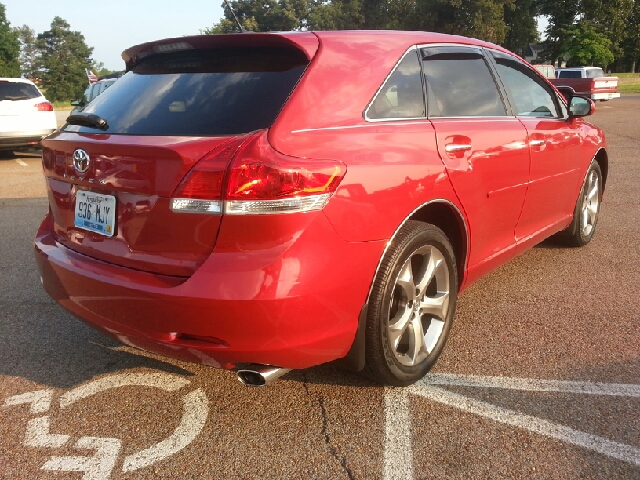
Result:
[{"x": 98, "y": 467}]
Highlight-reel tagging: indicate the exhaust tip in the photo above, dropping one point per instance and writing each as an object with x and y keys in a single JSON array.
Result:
[
  {"x": 260, "y": 375},
  {"x": 251, "y": 378}
]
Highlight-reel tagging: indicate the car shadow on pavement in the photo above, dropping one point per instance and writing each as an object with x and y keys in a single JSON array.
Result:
[{"x": 44, "y": 344}]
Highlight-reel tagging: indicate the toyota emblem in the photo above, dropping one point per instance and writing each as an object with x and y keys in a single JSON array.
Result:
[{"x": 81, "y": 160}]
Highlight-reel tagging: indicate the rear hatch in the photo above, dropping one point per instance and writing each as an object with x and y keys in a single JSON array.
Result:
[{"x": 110, "y": 182}]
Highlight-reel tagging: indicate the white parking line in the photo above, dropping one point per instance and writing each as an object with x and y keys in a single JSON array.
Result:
[
  {"x": 20, "y": 162},
  {"x": 610, "y": 448},
  {"x": 398, "y": 454},
  {"x": 533, "y": 384}
]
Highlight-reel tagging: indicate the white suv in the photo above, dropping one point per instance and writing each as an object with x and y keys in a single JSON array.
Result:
[{"x": 25, "y": 115}]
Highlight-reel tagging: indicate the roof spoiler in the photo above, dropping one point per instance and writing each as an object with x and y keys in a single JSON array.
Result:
[{"x": 307, "y": 42}]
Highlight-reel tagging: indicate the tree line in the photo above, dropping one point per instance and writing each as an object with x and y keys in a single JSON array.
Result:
[
  {"x": 605, "y": 33},
  {"x": 584, "y": 32},
  {"x": 56, "y": 59}
]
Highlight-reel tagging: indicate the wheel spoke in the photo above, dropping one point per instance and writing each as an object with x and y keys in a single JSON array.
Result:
[
  {"x": 592, "y": 212},
  {"x": 406, "y": 281},
  {"x": 398, "y": 325},
  {"x": 417, "y": 348},
  {"x": 435, "y": 261},
  {"x": 593, "y": 192},
  {"x": 433, "y": 334},
  {"x": 435, "y": 306}
]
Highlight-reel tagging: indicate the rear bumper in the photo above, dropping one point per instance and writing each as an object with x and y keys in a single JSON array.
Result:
[
  {"x": 604, "y": 96},
  {"x": 23, "y": 139},
  {"x": 292, "y": 303}
]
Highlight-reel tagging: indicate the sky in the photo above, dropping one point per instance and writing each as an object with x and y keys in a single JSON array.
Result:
[{"x": 114, "y": 25}]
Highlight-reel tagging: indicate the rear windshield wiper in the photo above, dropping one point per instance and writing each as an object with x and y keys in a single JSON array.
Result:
[{"x": 88, "y": 120}]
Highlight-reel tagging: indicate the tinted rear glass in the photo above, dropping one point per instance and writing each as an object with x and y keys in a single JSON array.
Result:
[
  {"x": 200, "y": 92},
  {"x": 569, "y": 74},
  {"x": 17, "y": 91}
]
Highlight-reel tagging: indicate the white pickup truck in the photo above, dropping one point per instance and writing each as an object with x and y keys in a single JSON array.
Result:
[{"x": 587, "y": 81}]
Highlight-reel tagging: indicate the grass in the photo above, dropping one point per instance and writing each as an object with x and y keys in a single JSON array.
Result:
[
  {"x": 629, "y": 87},
  {"x": 626, "y": 75}
]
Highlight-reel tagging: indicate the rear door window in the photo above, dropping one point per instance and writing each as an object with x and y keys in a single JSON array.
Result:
[
  {"x": 459, "y": 83},
  {"x": 200, "y": 92}
]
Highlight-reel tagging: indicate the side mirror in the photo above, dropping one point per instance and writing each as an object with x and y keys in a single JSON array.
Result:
[
  {"x": 75, "y": 103},
  {"x": 581, "y": 107},
  {"x": 567, "y": 92}
]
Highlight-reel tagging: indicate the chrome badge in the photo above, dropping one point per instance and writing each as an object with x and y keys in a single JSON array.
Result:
[{"x": 81, "y": 160}]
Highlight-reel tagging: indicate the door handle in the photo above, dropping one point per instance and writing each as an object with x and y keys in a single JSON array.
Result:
[
  {"x": 457, "y": 147},
  {"x": 537, "y": 143}
]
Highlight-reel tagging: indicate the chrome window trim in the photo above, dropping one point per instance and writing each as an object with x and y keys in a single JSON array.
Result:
[{"x": 406, "y": 219}]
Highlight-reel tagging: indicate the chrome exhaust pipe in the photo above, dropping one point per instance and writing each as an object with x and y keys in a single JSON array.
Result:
[{"x": 260, "y": 375}]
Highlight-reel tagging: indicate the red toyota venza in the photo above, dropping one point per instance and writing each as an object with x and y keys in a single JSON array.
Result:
[{"x": 266, "y": 202}]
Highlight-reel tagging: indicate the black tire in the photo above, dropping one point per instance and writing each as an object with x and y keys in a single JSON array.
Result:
[
  {"x": 394, "y": 356},
  {"x": 587, "y": 210}
]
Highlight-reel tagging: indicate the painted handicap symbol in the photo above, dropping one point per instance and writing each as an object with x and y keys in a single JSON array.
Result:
[{"x": 101, "y": 464}]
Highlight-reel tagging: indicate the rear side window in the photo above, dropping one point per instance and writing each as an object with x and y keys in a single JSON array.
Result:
[
  {"x": 459, "y": 84},
  {"x": 17, "y": 91},
  {"x": 200, "y": 92},
  {"x": 595, "y": 73},
  {"x": 402, "y": 95}
]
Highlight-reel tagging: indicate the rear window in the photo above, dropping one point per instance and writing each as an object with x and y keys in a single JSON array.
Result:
[
  {"x": 17, "y": 91},
  {"x": 569, "y": 74},
  {"x": 200, "y": 92}
]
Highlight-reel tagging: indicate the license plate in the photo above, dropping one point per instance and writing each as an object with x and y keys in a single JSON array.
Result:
[{"x": 96, "y": 212}]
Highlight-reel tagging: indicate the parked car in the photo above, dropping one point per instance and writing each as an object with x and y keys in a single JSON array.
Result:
[
  {"x": 93, "y": 90},
  {"x": 274, "y": 201},
  {"x": 25, "y": 114},
  {"x": 588, "y": 81}
]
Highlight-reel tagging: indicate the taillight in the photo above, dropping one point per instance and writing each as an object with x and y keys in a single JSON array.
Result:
[
  {"x": 260, "y": 181},
  {"x": 44, "y": 107},
  {"x": 201, "y": 189},
  {"x": 265, "y": 181}
]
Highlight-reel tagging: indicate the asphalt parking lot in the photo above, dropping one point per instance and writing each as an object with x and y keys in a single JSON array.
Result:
[{"x": 540, "y": 377}]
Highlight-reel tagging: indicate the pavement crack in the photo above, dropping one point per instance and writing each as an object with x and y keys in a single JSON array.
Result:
[{"x": 341, "y": 459}]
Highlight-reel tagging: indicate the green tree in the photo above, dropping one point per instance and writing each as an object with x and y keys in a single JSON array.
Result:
[
  {"x": 520, "y": 18},
  {"x": 263, "y": 16},
  {"x": 586, "y": 46},
  {"x": 9, "y": 47},
  {"x": 29, "y": 55},
  {"x": 562, "y": 16},
  {"x": 609, "y": 18},
  {"x": 631, "y": 43},
  {"x": 64, "y": 56},
  {"x": 483, "y": 19}
]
